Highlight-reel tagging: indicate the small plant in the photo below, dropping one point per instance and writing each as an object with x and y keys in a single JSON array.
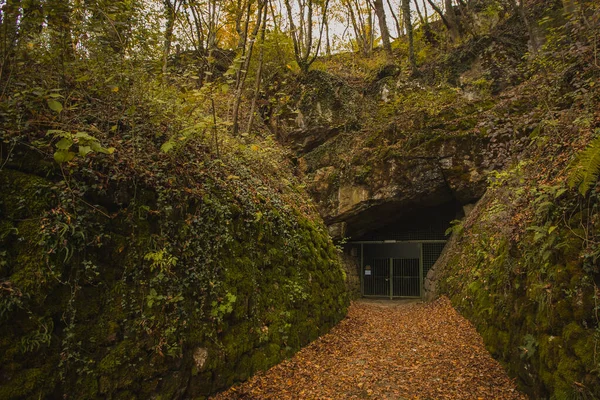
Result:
[
  {"x": 456, "y": 227},
  {"x": 586, "y": 168},
  {"x": 86, "y": 144},
  {"x": 222, "y": 308},
  {"x": 161, "y": 261},
  {"x": 34, "y": 340},
  {"x": 529, "y": 347}
]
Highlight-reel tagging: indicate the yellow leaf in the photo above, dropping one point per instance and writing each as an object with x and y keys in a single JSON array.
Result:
[{"x": 254, "y": 147}]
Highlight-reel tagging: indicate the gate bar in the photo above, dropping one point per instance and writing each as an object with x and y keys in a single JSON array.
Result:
[
  {"x": 421, "y": 278},
  {"x": 362, "y": 270},
  {"x": 391, "y": 278}
]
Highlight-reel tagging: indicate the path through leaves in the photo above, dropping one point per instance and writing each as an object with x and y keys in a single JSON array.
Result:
[{"x": 388, "y": 350}]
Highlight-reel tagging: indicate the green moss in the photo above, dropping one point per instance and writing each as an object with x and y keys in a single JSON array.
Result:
[
  {"x": 281, "y": 268},
  {"x": 117, "y": 356},
  {"x": 28, "y": 383},
  {"x": 23, "y": 195},
  {"x": 30, "y": 271}
]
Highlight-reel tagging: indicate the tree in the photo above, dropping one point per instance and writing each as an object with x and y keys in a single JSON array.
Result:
[
  {"x": 409, "y": 34},
  {"x": 362, "y": 25},
  {"x": 246, "y": 55},
  {"x": 261, "y": 59},
  {"x": 171, "y": 10},
  {"x": 305, "y": 50},
  {"x": 385, "y": 33},
  {"x": 59, "y": 26},
  {"x": 448, "y": 19},
  {"x": 202, "y": 17},
  {"x": 399, "y": 29},
  {"x": 518, "y": 8}
]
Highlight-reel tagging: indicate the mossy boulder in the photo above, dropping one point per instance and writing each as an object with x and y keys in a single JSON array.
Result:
[{"x": 173, "y": 290}]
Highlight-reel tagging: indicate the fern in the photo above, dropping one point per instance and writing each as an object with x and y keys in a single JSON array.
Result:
[{"x": 585, "y": 170}]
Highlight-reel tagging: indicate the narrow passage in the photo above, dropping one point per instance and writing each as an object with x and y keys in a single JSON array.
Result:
[{"x": 388, "y": 350}]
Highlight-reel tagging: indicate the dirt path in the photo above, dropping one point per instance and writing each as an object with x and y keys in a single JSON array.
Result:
[{"x": 388, "y": 351}]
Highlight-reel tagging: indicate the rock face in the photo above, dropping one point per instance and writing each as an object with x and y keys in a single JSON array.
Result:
[
  {"x": 451, "y": 171},
  {"x": 324, "y": 107},
  {"x": 376, "y": 151},
  {"x": 371, "y": 156}
]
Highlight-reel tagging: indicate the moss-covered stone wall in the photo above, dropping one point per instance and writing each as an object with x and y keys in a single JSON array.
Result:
[
  {"x": 142, "y": 287},
  {"x": 523, "y": 268}
]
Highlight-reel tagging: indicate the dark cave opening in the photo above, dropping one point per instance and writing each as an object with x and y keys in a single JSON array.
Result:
[{"x": 393, "y": 260}]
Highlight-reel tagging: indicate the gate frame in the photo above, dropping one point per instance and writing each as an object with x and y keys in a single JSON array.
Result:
[{"x": 391, "y": 296}]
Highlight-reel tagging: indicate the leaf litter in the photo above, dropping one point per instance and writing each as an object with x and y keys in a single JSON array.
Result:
[{"x": 388, "y": 350}]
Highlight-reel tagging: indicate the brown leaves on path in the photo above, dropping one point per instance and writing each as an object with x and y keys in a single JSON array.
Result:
[{"x": 388, "y": 350}]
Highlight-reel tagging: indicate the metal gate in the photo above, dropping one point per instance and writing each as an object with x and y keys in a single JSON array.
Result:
[
  {"x": 377, "y": 278},
  {"x": 406, "y": 280},
  {"x": 402, "y": 279},
  {"x": 396, "y": 268}
]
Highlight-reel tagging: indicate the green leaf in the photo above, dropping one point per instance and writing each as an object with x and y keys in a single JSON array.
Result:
[
  {"x": 64, "y": 144},
  {"x": 104, "y": 150},
  {"x": 585, "y": 170},
  {"x": 61, "y": 156},
  {"x": 83, "y": 78},
  {"x": 55, "y": 105},
  {"x": 84, "y": 136},
  {"x": 95, "y": 145},
  {"x": 559, "y": 193},
  {"x": 167, "y": 146},
  {"x": 538, "y": 236},
  {"x": 85, "y": 150}
]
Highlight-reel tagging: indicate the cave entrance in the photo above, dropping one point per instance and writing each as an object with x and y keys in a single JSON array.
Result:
[
  {"x": 396, "y": 269},
  {"x": 394, "y": 260}
]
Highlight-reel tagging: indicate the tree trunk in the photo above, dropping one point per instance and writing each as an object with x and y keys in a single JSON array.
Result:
[
  {"x": 8, "y": 27},
  {"x": 355, "y": 27},
  {"x": 421, "y": 20},
  {"x": 409, "y": 33},
  {"x": 371, "y": 29},
  {"x": 327, "y": 43},
  {"x": 261, "y": 58},
  {"x": 244, "y": 68},
  {"x": 440, "y": 12},
  {"x": 170, "y": 10},
  {"x": 530, "y": 32},
  {"x": 383, "y": 28},
  {"x": 452, "y": 19},
  {"x": 395, "y": 17},
  {"x": 302, "y": 36},
  {"x": 59, "y": 26}
]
